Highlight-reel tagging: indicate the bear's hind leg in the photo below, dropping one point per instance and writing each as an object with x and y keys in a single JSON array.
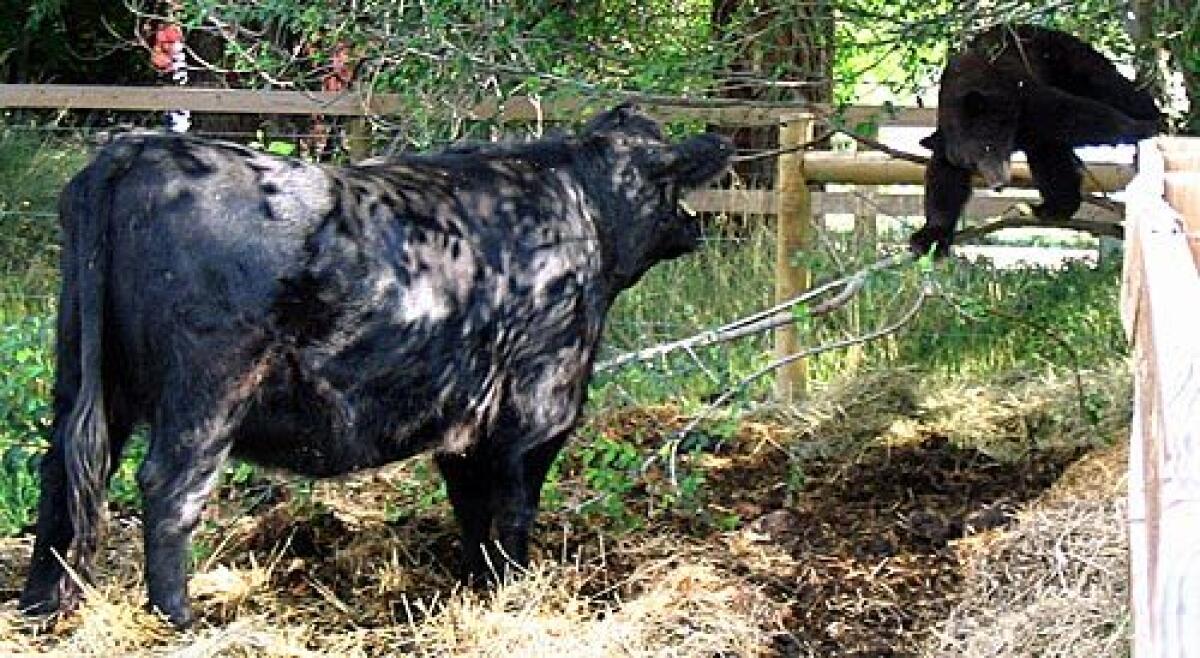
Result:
[{"x": 1056, "y": 172}]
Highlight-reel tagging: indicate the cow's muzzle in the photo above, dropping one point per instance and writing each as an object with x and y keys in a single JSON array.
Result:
[{"x": 683, "y": 236}]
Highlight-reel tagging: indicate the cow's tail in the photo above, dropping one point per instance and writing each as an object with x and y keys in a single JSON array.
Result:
[{"x": 85, "y": 216}]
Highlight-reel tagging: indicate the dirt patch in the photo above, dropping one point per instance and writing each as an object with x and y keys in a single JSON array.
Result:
[{"x": 863, "y": 553}]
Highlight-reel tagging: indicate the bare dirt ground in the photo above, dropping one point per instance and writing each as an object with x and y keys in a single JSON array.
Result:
[{"x": 882, "y": 519}]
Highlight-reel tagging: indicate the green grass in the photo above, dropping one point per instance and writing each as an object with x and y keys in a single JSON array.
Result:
[
  {"x": 33, "y": 168},
  {"x": 997, "y": 321},
  {"x": 991, "y": 321}
]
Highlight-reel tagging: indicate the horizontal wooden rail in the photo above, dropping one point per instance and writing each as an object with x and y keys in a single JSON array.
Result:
[
  {"x": 726, "y": 112},
  {"x": 881, "y": 169},
  {"x": 763, "y": 202},
  {"x": 223, "y": 101}
]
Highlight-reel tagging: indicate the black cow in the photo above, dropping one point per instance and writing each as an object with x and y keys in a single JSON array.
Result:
[{"x": 327, "y": 320}]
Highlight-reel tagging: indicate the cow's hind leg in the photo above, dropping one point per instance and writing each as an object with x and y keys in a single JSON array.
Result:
[
  {"x": 53, "y": 536},
  {"x": 47, "y": 584},
  {"x": 180, "y": 471}
]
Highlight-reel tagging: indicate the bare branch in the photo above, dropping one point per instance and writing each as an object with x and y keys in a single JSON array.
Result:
[
  {"x": 1026, "y": 219},
  {"x": 925, "y": 292},
  {"x": 771, "y": 318},
  {"x": 846, "y": 286}
]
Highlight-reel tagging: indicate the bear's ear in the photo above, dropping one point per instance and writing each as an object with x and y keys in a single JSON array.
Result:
[
  {"x": 974, "y": 103},
  {"x": 933, "y": 140}
]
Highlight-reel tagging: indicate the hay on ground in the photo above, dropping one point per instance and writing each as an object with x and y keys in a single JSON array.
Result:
[{"x": 1054, "y": 584}]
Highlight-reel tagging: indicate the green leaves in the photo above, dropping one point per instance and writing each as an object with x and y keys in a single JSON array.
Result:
[
  {"x": 27, "y": 361},
  {"x": 802, "y": 317},
  {"x": 925, "y": 263},
  {"x": 281, "y": 148}
]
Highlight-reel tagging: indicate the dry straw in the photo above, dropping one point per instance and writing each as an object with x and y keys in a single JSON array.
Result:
[{"x": 340, "y": 577}]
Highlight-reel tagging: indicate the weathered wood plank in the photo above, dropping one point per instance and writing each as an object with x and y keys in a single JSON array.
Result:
[
  {"x": 516, "y": 109},
  {"x": 1160, "y": 311},
  {"x": 763, "y": 202},
  {"x": 1182, "y": 191}
]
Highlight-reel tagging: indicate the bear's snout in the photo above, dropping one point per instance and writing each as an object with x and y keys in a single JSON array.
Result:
[{"x": 995, "y": 175}]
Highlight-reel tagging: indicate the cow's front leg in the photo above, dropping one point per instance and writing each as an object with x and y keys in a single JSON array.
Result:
[
  {"x": 469, "y": 487},
  {"x": 519, "y": 492},
  {"x": 179, "y": 473}
]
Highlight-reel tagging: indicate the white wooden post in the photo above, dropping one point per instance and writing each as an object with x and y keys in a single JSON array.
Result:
[{"x": 1160, "y": 309}]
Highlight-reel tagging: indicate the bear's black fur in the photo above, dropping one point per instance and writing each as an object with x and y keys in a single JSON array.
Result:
[{"x": 1024, "y": 88}]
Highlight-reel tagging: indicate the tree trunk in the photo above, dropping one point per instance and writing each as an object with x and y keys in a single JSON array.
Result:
[
  {"x": 1165, "y": 31},
  {"x": 784, "y": 51},
  {"x": 1147, "y": 50},
  {"x": 1185, "y": 54}
]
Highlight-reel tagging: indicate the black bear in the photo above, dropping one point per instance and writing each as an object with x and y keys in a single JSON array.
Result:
[{"x": 1024, "y": 88}]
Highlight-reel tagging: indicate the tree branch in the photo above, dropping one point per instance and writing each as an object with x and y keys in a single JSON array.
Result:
[
  {"x": 884, "y": 148},
  {"x": 677, "y": 437},
  {"x": 771, "y": 318},
  {"x": 1027, "y": 220}
]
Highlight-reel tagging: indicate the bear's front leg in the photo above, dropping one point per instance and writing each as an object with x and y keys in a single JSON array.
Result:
[{"x": 947, "y": 189}]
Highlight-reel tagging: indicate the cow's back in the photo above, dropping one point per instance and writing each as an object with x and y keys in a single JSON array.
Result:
[{"x": 199, "y": 235}]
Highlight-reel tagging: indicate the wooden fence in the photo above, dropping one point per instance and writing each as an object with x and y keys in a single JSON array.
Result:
[
  {"x": 798, "y": 201},
  {"x": 1160, "y": 308}
]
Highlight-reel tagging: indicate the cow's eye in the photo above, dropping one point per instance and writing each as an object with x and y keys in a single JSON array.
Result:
[{"x": 673, "y": 198}]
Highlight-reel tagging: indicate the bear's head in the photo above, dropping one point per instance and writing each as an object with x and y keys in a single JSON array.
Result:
[{"x": 978, "y": 111}]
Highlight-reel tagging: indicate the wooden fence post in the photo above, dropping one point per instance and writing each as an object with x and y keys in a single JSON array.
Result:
[
  {"x": 358, "y": 139},
  {"x": 866, "y": 220},
  {"x": 1160, "y": 286},
  {"x": 793, "y": 237}
]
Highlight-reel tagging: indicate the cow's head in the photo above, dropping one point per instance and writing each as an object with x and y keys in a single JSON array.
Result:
[{"x": 637, "y": 181}]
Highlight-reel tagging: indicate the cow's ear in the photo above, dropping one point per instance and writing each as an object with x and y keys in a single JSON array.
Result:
[
  {"x": 611, "y": 120},
  {"x": 694, "y": 162}
]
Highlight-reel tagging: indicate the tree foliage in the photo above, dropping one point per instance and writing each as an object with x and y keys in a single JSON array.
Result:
[
  {"x": 67, "y": 42},
  {"x": 453, "y": 53}
]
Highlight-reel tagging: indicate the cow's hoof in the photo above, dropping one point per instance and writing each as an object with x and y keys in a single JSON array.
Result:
[
  {"x": 37, "y": 606},
  {"x": 179, "y": 616}
]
